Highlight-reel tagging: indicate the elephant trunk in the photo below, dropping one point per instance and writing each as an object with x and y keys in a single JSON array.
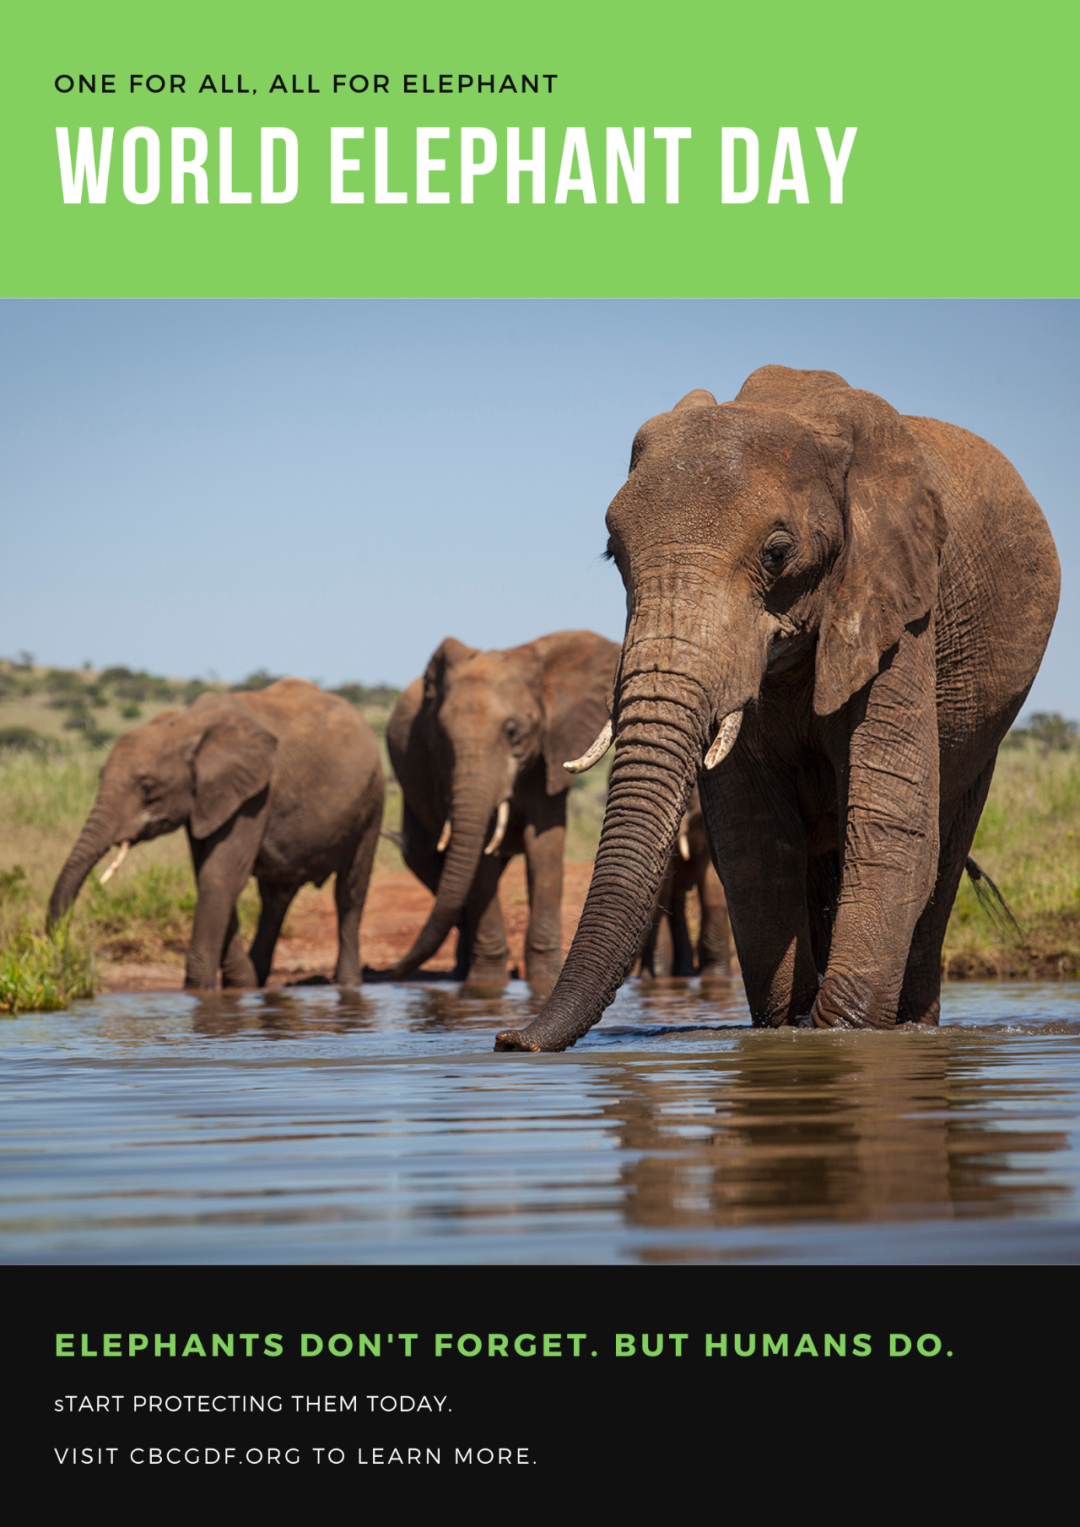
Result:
[
  {"x": 472, "y": 805},
  {"x": 95, "y": 840},
  {"x": 663, "y": 728}
]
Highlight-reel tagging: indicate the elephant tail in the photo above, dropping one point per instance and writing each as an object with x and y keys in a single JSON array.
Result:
[{"x": 990, "y": 898}]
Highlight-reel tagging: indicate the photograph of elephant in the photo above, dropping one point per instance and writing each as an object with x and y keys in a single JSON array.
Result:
[
  {"x": 713, "y": 891},
  {"x": 479, "y": 746},
  {"x": 284, "y": 784},
  {"x": 835, "y": 616}
]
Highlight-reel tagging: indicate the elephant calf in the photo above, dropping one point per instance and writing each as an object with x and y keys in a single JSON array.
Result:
[
  {"x": 668, "y": 949},
  {"x": 284, "y": 783},
  {"x": 478, "y": 746}
]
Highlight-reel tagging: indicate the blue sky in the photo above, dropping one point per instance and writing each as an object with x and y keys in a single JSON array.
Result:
[{"x": 329, "y": 488}]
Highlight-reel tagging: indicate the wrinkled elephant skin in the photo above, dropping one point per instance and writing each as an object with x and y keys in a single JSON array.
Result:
[{"x": 870, "y": 595}]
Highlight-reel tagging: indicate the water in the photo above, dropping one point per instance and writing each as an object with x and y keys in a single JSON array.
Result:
[{"x": 312, "y": 1125}]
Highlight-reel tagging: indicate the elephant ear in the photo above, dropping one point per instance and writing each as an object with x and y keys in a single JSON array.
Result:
[
  {"x": 233, "y": 762},
  {"x": 446, "y": 656},
  {"x": 886, "y": 577},
  {"x": 578, "y": 671}
]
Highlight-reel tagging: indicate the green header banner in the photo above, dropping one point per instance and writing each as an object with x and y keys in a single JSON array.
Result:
[{"x": 569, "y": 149}]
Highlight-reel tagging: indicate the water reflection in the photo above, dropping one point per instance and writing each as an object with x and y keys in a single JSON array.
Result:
[
  {"x": 379, "y": 1125},
  {"x": 281, "y": 1014},
  {"x": 859, "y": 1127}
]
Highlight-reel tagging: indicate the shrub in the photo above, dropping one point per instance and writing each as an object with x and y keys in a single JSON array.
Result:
[
  {"x": 262, "y": 678},
  {"x": 40, "y": 974},
  {"x": 23, "y": 739},
  {"x": 363, "y": 694}
]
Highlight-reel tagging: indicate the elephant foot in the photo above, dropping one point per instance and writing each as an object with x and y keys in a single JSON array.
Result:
[
  {"x": 487, "y": 973},
  {"x": 822, "y": 1018}
]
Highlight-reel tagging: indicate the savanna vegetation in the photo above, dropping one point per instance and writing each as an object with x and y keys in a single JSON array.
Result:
[{"x": 57, "y": 725}]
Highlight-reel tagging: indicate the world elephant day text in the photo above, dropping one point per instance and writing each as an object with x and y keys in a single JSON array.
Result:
[{"x": 435, "y": 166}]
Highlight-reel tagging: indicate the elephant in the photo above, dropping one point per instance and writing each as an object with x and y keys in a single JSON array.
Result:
[
  {"x": 284, "y": 783},
  {"x": 834, "y": 614},
  {"x": 478, "y": 746},
  {"x": 668, "y": 949}
]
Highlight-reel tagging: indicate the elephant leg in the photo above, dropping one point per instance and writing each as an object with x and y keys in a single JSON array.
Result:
[
  {"x": 682, "y": 947},
  {"x": 350, "y": 893},
  {"x": 545, "y": 841},
  {"x": 237, "y": 968},
  {"x": 223, "y": 862},
  {"x": 276, "y": 901},
  {"x": 920, "y": 996},
  {"x": 714, "y": 940},
  {"x": 890, "y": 839},
  {"x": 482, "y": 948},
  {"x": 648, "y": 952},
  {"x": 661, "y": 953},
  {"x": 822, "y": 894},
  {"x": 755, "y": 827}
]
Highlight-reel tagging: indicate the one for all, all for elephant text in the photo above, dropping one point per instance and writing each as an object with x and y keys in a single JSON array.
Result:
[{"x": 383, "y": 168}]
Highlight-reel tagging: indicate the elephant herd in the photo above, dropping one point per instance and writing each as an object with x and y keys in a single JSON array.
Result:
[{"x": 834, "y": 614}]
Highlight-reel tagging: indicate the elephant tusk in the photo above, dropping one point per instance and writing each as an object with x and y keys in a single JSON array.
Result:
[
  {"x": 444, "y": 838},
  {"x": 594, "y": 755},
  {"x": 725, "y": 739},
  {"x": 684, "y": 846},
  {"x": 117, "y": 862},
  {"x": 500, "y": 827}
]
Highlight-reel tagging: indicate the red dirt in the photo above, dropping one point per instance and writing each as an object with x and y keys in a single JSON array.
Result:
[{"x": 397, "y": 905}]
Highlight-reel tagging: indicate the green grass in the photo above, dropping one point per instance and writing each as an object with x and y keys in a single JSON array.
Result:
[
  {"x": 585, "y": 812},
  {"x": 39, "y": 974},
  {"x": 1028, "y": 842}
]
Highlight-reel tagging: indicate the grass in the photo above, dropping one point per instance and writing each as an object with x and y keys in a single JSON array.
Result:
[
  {"x": 1028, "y": 843},
  {"x": 39, "y": 975}
]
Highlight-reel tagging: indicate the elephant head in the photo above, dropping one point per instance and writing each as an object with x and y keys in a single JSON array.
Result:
[
  {"x": 193, "y": 768},
  {"x": 487, "y": 722},
  {"x": 798, "y": 524}
]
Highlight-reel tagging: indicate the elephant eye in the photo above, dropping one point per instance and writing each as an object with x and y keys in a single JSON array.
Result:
[
  {"x": 149, "y": 789},
  {"x": 776, "y": 553},
  {"x": 512, "y": 729}
]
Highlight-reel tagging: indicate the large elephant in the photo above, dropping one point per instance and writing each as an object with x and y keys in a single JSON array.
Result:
[
  {"x": 284, "y": 783},
  {"x": 668, "y": 949},
  {"x": 834, "y": 615},
  {"x": 478, "y": 746}
]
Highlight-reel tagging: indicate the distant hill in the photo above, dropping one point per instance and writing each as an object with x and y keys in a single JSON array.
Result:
[{"x": 40, "y": 708}]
